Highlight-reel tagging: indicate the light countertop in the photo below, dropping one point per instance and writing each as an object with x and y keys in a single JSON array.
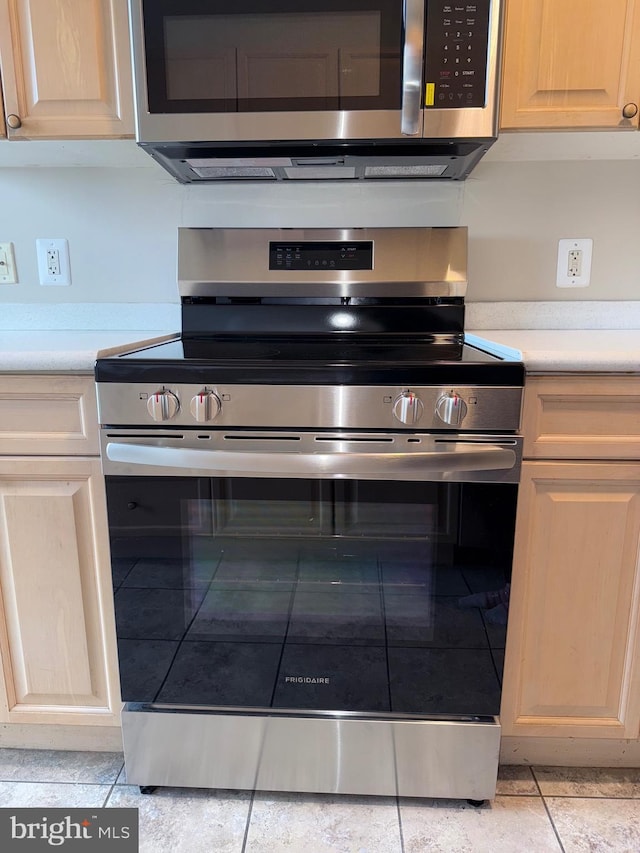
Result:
[
  {"x": 69, "y": 351},
  {"x": 568, "y": 350},
  {"x": 594, "y": 336},
  {"x": 543, "y": 351}
]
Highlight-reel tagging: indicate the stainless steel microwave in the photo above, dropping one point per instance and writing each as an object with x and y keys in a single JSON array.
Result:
[{"x": 316, "y": 89}]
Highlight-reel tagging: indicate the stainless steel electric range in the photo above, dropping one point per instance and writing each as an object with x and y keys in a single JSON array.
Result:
[{"x": 311, "y": 496}]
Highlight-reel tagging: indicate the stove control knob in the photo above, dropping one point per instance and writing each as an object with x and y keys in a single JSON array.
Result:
[
  {"x": 163, "y": 405},
  {"x": 205, "y": 406},
  {"x": 408, "y": 408},
  {"x": 451, "y": 409}
]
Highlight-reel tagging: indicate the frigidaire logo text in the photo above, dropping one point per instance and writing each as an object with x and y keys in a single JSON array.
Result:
[{"x": 306, "y": 679}]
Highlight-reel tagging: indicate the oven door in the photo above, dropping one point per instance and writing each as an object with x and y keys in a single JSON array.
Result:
[
  {"x": 369, "y": 576},
  {"x": 245, "y": 70}
]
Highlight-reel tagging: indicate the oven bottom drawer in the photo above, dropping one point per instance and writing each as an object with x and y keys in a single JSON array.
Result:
[{"x": 315, "y": 754}]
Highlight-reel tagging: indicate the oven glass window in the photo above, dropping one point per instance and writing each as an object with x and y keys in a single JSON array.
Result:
[
  {"x": 343, "y": 595},
  {"x": 241, "y": 57}
]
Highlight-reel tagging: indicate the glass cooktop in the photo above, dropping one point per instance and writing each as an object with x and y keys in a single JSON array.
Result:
[
  {"x": 398, "y": 350},
  {"x": 311, "y": 359}
]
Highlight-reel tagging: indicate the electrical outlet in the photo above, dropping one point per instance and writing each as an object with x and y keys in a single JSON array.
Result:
[
  {"x": 574, "y": 263},
  {"x": 574, "y": 268},
  {"x": 53, "y": 261},
  {"x": 8, "y": 272}
]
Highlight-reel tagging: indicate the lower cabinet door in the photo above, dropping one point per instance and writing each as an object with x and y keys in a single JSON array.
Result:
[
  {"x": 57, "y": 634},
  {"x": 572, "y": 661}
]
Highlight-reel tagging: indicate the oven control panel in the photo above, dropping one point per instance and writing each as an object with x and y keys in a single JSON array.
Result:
[
  {"x": 321, "y": 256},
  {"x": 326, "y": 407},
  {"x": 164, "y": 405},
  {"x": 451, "y": 409}
]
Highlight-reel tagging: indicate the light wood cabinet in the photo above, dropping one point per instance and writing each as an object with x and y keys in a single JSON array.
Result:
[
  {"x": 582, "y": 418},
  {"x": 569, "y": 64},
  {"x": 48, "y": 414},
  {"x": 66, "y": 69},
  {"x": 57, "y": 631},
  {"x": 572, "y": 664}
]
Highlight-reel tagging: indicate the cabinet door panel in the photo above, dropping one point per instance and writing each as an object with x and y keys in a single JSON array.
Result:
[
  {"x": 570, "y": 668},
  {"x": 582, "y": 417},
  {"x": 57, "y": 647},
  {"x": 570, "y": 64},
  {"x": 48, "y": 415},
  {"x": 66, "y": 69}
]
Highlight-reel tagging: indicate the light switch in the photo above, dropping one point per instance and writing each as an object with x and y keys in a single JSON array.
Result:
[{"x": 8, "y": 273}]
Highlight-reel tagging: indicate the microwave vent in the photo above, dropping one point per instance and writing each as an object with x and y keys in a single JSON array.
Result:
[
  {"x": 429, "y": 170},
  {"x": 213, "y": 173}
]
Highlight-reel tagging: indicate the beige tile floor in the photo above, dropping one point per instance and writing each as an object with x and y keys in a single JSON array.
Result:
[{"x": 537, "y": 809}]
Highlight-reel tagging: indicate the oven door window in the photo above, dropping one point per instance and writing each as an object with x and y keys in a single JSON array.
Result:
[
  {"x": 205, "y": 57},
  {"x": 337, "y": 595}
]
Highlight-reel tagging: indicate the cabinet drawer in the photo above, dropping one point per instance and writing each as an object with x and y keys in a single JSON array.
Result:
[
  {"x": 44, "y": 414},
  {"x": 582, "y": 418}
]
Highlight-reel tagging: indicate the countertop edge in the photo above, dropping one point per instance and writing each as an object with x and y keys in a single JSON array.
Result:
[
  {"x": 566, "y": 350},
  {"x": 542, "y": 351}
]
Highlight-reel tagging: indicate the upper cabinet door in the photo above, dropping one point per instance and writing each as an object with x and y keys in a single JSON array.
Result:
[
  {"x": 571, "y": 64},
  {"x": 66, "y": 68}
]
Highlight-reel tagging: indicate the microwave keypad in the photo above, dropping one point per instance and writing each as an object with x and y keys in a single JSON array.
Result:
[{"x": 456, "y": 54}]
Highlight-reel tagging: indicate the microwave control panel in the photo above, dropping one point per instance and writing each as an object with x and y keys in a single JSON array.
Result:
[{"x": 457, "y": 42}]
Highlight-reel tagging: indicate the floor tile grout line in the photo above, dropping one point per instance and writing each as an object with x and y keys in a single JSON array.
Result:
[
  {"x": 113, "y": 785},
  {"x": 553, "y": 826},
  {"x": 108, "y": 797},
  {"x": 551, "y": 796},
  {"x": 54, "y": 782},
  {"x": 517, "y": 794},
  {"x": 535, "y": 779},
  {"x": 400, "y": 825},
  {"x": 546, "y": 808},
  {"x": 248, "y": 823}
]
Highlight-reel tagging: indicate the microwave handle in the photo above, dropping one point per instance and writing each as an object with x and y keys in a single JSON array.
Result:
[{"x": 412, "y": 59}]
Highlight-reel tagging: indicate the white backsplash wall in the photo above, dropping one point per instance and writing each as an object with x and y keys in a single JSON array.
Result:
[
  {"x": 121, "y": 223},
  {"x": 517, "y": 212}
]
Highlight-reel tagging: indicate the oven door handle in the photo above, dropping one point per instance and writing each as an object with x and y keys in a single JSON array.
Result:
[
  {"x": 413, "y": 19},
  {"x": 451, "y": 462}
]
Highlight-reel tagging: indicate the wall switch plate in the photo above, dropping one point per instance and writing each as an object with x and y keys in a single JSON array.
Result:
[
  {"x": 574, "y": 263},
  {"x": 8, "y": 272},
  {"x": 53, "y": 261}
]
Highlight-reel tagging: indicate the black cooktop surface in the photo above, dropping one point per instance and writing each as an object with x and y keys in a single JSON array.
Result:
[{"x": 323, "y": 359}]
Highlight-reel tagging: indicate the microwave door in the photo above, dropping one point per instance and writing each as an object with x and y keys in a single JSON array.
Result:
[{"x": 248, "y": 71}]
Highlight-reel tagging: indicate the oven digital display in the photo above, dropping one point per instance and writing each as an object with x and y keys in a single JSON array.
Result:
[{"x": 354, "y": 255}]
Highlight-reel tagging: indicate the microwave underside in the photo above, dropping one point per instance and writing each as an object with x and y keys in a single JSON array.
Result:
[{"x": 204, "y": 162}]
